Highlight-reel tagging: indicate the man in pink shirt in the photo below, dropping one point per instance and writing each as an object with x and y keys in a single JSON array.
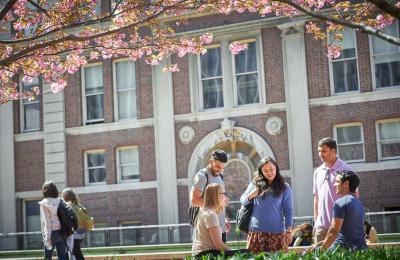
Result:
[{"x": 324, "y": 191}]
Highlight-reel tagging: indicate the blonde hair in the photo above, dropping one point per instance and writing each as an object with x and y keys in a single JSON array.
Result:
[
  {"x": 211, "y": 197},
  {"x": 70, "y": 195}
]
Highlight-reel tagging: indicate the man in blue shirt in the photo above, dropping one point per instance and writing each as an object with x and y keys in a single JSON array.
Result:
[{"x": 347, "y": 226}]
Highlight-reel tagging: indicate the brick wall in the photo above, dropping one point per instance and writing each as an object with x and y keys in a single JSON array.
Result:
[
  {"x": 29, "y": 165},
  {"x": 372, "y": 185},
  {"x": 323, "y": 119},
  {"x": 73, "y": 100},
  {"x": 273, "y": 65},
  {"x": 181, "y": 85},
  {"x": 115, "y": 207},
  {"x": 144, "y": 90},
  {"x": 77, "y": 145},
  {"x": 364, "y": 62},
  {"x": 317, "y": 68},
  {"x": 215, "y": 20}
]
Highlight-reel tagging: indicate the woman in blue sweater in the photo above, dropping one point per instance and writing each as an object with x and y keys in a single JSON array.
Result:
[{"x": 271, "y": 221}]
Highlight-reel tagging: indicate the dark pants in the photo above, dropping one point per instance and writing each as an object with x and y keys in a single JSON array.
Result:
[
  {"x": 58, "y": 242},
  {"x": 224, "y": 237},
  {"x": 215, "y": 253},
  {"x": 77, "y": 249}
]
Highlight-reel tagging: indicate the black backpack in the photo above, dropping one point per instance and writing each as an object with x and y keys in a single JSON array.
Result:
[
  {"x": 68, "y": 219},
  {"x": 193, "y": 211}
]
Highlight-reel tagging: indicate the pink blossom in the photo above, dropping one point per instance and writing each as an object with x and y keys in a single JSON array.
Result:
[
  {"x": 206, "y": 38},
  {"x": 172, "y": 68},
  {"x": 237, "y": 47},
  {"x": 334, "y": 52},
  {"x": 58, "y": 86}
]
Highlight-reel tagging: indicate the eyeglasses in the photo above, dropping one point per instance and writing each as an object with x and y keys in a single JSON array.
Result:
[{"x": 223, "y": 193}]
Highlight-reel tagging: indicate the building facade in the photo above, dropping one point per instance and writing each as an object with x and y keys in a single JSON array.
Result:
[{"x": 129, "y": 137}]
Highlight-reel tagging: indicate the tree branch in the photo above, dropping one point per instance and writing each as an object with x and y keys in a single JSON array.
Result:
[
  {"x": 360, "y": 26},
  {"x": 7, "y": 7},
  {"x": 387, "y": 7},
  {"x": 38, "y": 7}
]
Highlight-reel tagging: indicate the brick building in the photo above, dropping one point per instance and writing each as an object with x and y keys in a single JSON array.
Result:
[{"x": 129, "y": 137}]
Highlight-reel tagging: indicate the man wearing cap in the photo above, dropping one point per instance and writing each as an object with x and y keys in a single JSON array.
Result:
[
  {"x": 214, "y": 170},
  {"x": 323, "y": 186}
]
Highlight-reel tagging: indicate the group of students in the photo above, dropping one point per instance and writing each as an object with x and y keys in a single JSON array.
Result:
[
  {"x": 53, "y": 233},
  {"x": 338, "y": 213}
]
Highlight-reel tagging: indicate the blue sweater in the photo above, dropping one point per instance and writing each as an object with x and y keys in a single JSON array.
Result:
[{"x": 271, "y": 214}]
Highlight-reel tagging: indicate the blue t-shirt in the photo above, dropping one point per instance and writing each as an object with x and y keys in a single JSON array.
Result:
[{"x": 351, "y": 210}]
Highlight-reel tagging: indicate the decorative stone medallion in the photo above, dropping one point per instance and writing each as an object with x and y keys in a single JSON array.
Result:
[
  {"x": 186, "y": 134},
  {"x": 274, "y": 125}
]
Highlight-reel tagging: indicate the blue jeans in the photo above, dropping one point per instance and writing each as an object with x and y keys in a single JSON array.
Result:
[{"x": 58, "y": 242}]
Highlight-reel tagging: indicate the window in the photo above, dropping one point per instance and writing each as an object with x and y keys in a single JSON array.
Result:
[
  {"x": 386, "y": 59},
  {"x": 93, "y": 94},
  {"x": 224, "y": 80},
  {"x": 130, "y": 237},
  {"x": 95, "y": 167},
  {"x": 128, "y": 164},
  {"x": 125, "y": 90},
  {"x": 98, "y": 237},
  {"x": 30, "y": 109},
  {"x": 32, "y": 223},
  {"x": 246, "y": 76},
  {"x": 388, "y": 139},
  {"x": 211, "y": 79},
  {"x": 344, "y": 68},
  {"x": 350, "y": 142}
]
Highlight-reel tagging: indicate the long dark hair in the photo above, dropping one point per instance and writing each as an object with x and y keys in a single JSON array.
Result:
[{"x": 278, "y": 184}]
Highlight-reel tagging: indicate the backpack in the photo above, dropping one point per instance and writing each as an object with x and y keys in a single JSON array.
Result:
[
  {"x": 68, "y": 219},
  {"x": 193, "y": 211},
  {"x": 84, "y": 219}
]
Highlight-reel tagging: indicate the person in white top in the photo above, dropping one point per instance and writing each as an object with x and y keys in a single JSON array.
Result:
[{"x": 50, "y": 224}]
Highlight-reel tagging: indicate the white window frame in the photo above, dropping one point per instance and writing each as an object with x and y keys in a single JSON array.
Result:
[
  {"x": 234, "y": 82},
  {"x": 125, "y": 223},
  {"x": 24, "y": 219},
  {"x": 228, "y": 76},
  {"x": 85, "y": 121},
  {"x": 331, "y": 61},
  {"x": 200, "y": 84},
  {"x": 378, "y": 139},
  {"x": 87, "y": 183},
  {"x": 27, "y": 102},
  {"x": 372, "y": 58},
  {"x": 335, "y": 127},
  {"x": 119, "y": 176},
  {"x": 116, "y": 101}
]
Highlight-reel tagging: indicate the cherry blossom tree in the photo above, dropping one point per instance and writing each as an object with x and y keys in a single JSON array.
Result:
[{"x": 50, "y": 38}]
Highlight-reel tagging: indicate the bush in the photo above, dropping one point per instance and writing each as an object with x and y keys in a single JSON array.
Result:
[{"x": 370, "y": 254}]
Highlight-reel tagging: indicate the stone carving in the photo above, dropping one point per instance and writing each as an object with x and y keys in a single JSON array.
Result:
[
  {"x": 186, "y": 134},
  {"x": 274, "y": 125}
]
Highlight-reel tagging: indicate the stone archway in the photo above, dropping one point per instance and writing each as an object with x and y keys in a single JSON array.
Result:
[{"x": 244, "y": 148}]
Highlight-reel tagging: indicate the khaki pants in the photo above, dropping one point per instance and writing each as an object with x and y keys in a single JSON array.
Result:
[{"x": 319, "y": 234}]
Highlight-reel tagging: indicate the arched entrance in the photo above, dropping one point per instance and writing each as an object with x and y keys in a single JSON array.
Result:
[{"x": 244, "y": 148}]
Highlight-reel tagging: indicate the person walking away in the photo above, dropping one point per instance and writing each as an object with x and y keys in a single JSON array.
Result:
[
  {"x": 84, "y": 220},
  {"x": 50, "y": 223}
]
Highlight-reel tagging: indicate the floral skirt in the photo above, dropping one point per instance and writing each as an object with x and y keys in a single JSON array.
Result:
[{"x": 258, "y": 242}]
